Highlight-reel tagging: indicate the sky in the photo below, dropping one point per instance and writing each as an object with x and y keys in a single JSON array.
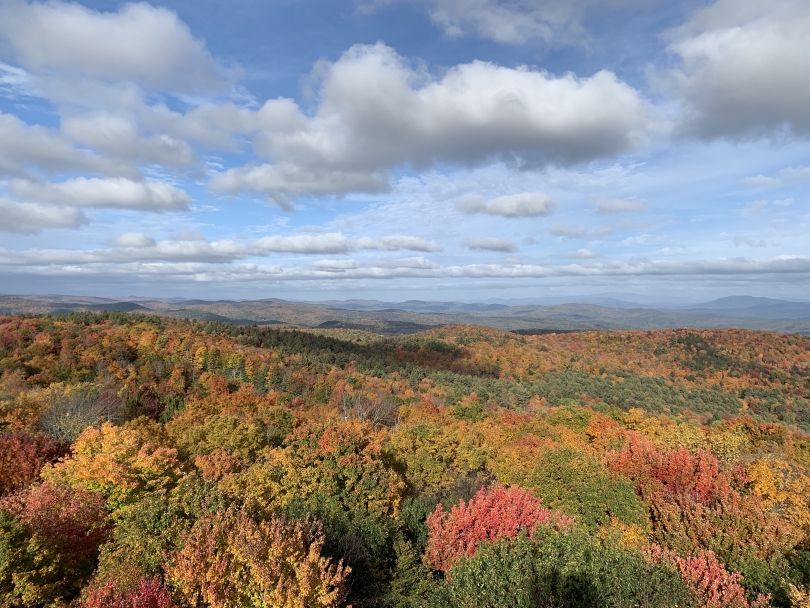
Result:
[{"x": 405, "y": 149}]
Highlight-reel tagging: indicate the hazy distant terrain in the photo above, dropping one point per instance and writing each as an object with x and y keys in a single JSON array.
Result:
[{"x": 391, "y": 318}]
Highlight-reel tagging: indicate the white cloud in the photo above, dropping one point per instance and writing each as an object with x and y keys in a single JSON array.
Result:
[
  {"x": 411, "y": 243},
  {"x": 582, "y": 254},
  {"x": 571, "y": 231},
  {"x": 750, "y": 242},
  {"x": 134, "y": 240},
  {"x": 377, "y": 113},
  {"x": 305, "y": 243},
  {"x": 510, "y": 21},
  {"x": 375, "y": 266},
  {"x": 616, "y": 205},
  {"x": 526, "y": 204},
  {"x": 119, "y": 136},
  {"x": 762, "y": 181},
  {"x": 284, "y": 180},
  {"x": 140, "y": 43},
  {"x": 189, "y": 247},
  {"x": 795, "y": 175},
  {"x": 24, "y": 148},
  {"x": 336, "y": 242},
  {"x": 335, "y": 265},
  {"x": 124, "y": 263},
  {"x": 576, "y": 231},
  {"x": 790, "y": 175},
  {"x": 115, "y": 193},
  {"x": 489, "y": 244},
  {"x": 754, "y": 209},
  {"x": 746, "y": 69},
  {"x": 419, "y": 263},
  {"x": 30, "y": 218},
  {"x": 214, "y": 124}
]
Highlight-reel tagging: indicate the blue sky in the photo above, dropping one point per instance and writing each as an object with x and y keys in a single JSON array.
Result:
[{"x": 395, "y": 149}]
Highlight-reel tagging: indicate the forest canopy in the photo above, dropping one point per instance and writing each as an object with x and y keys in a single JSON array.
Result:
[{"x": 150, "y": 462}]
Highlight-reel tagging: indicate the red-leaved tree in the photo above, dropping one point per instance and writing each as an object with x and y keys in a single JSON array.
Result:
[
  {"x": 715, "y": 586},
  {"x": 697, "y": 505},
  {"x": 490, "y": 515},
  {"x": 51, "y": 544},
  {"x": 149, "y": 593},
  {"x": 22, "y": 456},
  {"x": 73, "y": 520}
]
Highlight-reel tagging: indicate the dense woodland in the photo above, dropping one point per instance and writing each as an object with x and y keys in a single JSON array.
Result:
[{"x": 156, "y": 463}]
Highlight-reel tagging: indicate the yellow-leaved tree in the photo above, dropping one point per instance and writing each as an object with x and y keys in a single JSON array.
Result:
[{"x": 231, "y": 560}]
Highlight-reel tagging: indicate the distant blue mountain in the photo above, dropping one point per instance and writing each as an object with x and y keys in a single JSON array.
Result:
[{"x": 757, "y": 308}]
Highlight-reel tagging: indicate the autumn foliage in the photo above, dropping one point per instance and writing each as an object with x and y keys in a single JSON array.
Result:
[
  {"x": 490, "y": 515},
  {"x": 22, "y": 456},
  {"x": 715, "y": 586},
  {"x": 229, "y": 560},
  {"x": 149, "y": 462},
  {"x": 149, "y": 593},
  {"x": 49, "y": 552}
]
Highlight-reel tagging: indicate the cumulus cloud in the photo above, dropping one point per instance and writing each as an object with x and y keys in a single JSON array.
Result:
[
  {"x": 617, "y": 205},
  {"x": 576, "y": 231},
  {"x": 139, "y": 43},
  {"x": 335, "y": 265},
  {"x": 114, "y": 193},
  {"x": 762, "y": 181},
  {"x": 510, "y": 21},
  {"x": 305, "y": 243},
  {"x": 217, "y": 125},
  {"x": 31, "y": 218},
  {"x": 526, "y": 204},
  {"x": 754, "y": 209},
  {"x": 377, "y": 113},
  {"x": 489, "y": 244},
  {"x": 582, "y": 254},
  {"x": 132, "y": 247},
  {"x": 376, "y": 266},
  {"x": 786, "y": 177},
  {"x": 750, "y": 242},
  {"x": 571, "y": 231},
  {"x": 411, "y": 243},
  {"x": 119, "y": 136},
  {"x": 746, "y": 69},
  {"x": 24, "y": 148},
  {"x": 134, "y": 240},
  {"x": 336, "y": 242},
  {"x": 285, "y": 180}
]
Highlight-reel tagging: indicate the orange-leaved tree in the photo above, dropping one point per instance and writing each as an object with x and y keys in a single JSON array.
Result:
[{"x": 120, "y": 462}]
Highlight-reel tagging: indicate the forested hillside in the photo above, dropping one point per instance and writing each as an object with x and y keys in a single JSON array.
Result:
[{"x": 154, "y": 463}]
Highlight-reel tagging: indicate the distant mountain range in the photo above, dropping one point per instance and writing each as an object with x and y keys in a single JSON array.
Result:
[
  {"x": 598, "y": 312},
  {"x": 757, "y": 308}
]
